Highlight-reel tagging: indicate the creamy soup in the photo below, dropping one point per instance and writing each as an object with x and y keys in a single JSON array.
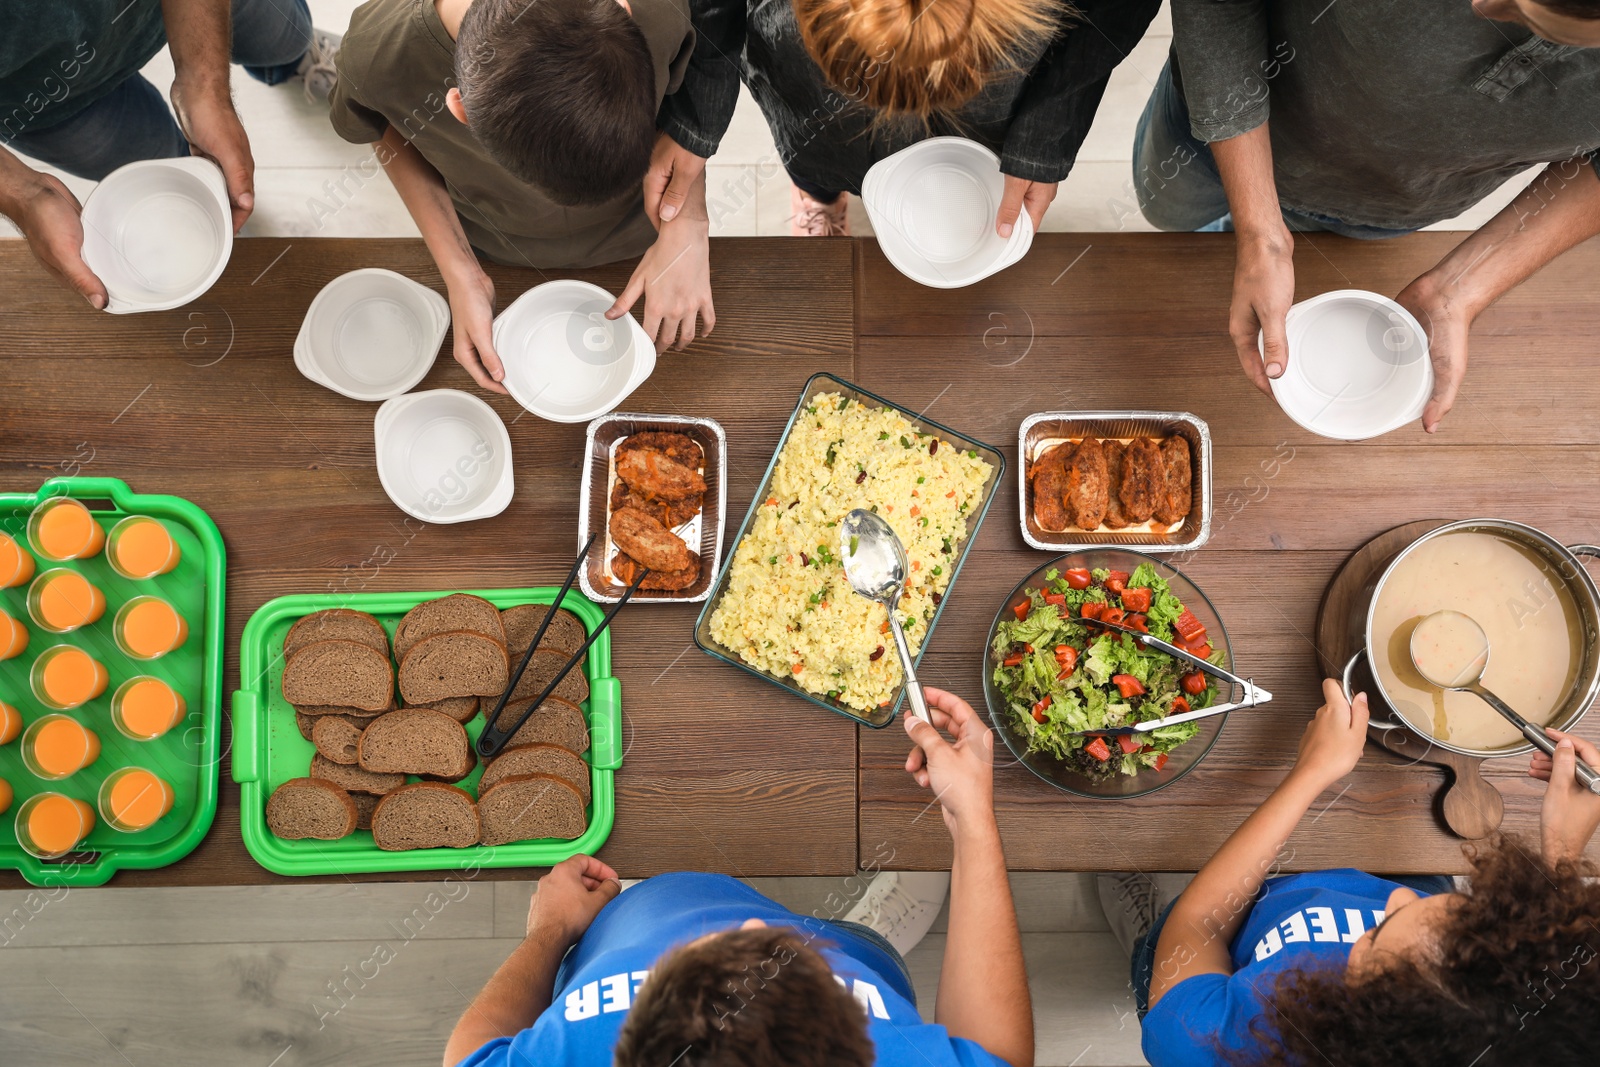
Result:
[{"x": 1528, "y": 616}]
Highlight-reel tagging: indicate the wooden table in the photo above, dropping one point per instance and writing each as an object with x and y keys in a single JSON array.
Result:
[{"x": 723, "y": 772}]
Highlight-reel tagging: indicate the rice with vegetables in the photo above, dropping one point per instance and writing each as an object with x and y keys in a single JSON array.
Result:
[{"x": 789, "y": 609}]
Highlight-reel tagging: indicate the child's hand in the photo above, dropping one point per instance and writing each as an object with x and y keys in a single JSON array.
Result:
[
  {"x": 674, "y": 277},
  {"x": 472, "y": 319},
  {"x": 961, "y": 774},
  {"x": 1570, "y": 813},
  {"x": 1331, "y": 746},
  {"x": 674, "y": 172},
  {"x": 570, "y": 896}
]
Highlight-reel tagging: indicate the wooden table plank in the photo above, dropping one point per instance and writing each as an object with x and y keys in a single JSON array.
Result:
[{"x": 286, "y": 469}]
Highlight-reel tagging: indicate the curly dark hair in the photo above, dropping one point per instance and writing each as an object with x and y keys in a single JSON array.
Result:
[
  {"x": 760, "y": 997},
  {"x": 1516, "y": 982}
]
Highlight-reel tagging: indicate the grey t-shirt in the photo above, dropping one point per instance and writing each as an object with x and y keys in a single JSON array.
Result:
[{"x": 1386, "y": 113}]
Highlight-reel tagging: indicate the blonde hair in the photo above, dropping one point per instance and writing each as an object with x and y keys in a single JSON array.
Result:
[{"x": 917, "y": 58}]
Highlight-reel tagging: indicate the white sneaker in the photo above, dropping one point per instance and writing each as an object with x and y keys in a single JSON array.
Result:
[
  {"x": 1132, "y": 901},
  {"x": 901, "y": 905},
  {"x": 317, "y": 65}
]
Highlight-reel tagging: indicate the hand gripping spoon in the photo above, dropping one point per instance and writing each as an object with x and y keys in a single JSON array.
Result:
[
  {"x": 875, "y": 562},
  {"x": 1450, "y": 650}
]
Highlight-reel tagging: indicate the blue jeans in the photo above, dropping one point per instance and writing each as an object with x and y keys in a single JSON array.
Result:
[
  {"x": 878, "y": 941},
  {"x": 1176, "y": 180},
  {"x": 1144, "y": 950},
  {"x": 133, "y": 122}
]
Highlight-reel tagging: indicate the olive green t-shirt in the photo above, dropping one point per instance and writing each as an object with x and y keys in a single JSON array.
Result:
[{"x": 396, "y": 65}]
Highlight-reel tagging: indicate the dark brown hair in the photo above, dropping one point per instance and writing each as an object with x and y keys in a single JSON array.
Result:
[
  {"x": 561, "y": 93},
  {"x": 1516, "y": 981},
  {"x": 745, "y": 998}
]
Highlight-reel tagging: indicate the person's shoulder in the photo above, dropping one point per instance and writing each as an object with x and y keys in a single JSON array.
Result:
[
  {"x": 666, "y": 24},
  {"x": 382, "y": 33},
  {"x": 1181, "y": 1027}
]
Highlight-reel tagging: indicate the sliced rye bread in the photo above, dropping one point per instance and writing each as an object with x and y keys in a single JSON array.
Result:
[
  {"x": 456, "y": 663},
  {"x": 352, "y": 778},
  {"x": 305, "y": 723},
  {"x": 529, "y": 807},
  {"x": 336, "y": 737},
  {"x": 365, "y": 805},
  {"x": 537, "y": 758},
  {"x": 425, "y": 815},
  {"x": 415, "y": 741},
  {"x": 451, "y": 779},
  {"x": 459, "y": 611},
  {"x": 314, "y": 710},
  {"x": 340, "y": 673},
  {"x": 566, "y": 631},
  {"x": 308, "y": 808},
  {"x": 336, "y": 624},
  {"x": 543, "y": 667},
  {"x": 557, "y": 722},
  {"x": 461, "y": 709}
]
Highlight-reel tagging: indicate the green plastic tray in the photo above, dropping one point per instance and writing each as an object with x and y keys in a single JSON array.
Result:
[
  {"x": 268, "y": 749},
  {"x": 186, "y": 756}
]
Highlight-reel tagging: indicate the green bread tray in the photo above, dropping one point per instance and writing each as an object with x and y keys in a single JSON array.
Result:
[
  {"x": 186, "y": 756},
  {"x": 268, "y": 749}
]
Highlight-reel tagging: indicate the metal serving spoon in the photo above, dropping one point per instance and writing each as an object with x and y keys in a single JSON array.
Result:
[
  {"x": 1450, "y": 650},
  {"x": 875, "y": 562}
]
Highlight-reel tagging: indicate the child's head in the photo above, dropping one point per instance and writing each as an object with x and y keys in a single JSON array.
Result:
[
  {"x": 916, "y": 58},
  {"x": 560, "y": 92}
]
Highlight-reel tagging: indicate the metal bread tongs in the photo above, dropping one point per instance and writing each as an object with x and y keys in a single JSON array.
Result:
[{"x": 1253, "y": 694}]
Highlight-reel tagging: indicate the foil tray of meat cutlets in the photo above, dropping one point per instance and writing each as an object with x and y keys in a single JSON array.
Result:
[
  {"x": 655, "y": 489},
  {"x": 1145, "y": 481}
]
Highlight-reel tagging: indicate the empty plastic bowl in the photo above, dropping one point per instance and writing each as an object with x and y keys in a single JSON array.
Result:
[
  {"x": 371, "y": 334},
  {"x": 1358, "y": 366},
  {"x": 933, "y": 208},
  {"x": 564, "y": 360},
  {"x": 444, "y": 456},
  {"x": 158, "y": 233}
]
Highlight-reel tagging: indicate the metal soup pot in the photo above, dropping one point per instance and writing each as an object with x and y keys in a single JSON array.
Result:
[{"x": 1566, "y": 566}]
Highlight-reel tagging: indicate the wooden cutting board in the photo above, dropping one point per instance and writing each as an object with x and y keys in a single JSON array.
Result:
[{"x": 1468, "y": 805}]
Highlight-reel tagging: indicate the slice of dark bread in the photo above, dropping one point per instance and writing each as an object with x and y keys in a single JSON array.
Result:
[
  {"x": 306, "y": 723},
  {"x": 455, "y": 663},
  {"x": 543, "y": 667},
  {"x": 415, "y": 741},
  {"x": 557, "y": 722},
  {"x": 530, "y": 807},
  {"x": 566, "y": 632},
  {"x": 537, "y": 758},
  {"x": 336, "y": 624},
  {"x": 461, "y": 709},
  {"x": 352, "y": 778},
  {"x": 314, "y": 710},
  {"x": 308, "y": 808},
  {"x": 340, "y": 673},
  {"x": 459, "y": 611},
  {"x": 335, "y": 737},
  {"x": 451, "y": 779},
  {"x": 425, "y": 815},
  {"x": 365, "y": 803}
]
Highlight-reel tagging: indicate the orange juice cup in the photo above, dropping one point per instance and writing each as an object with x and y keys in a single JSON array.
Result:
[
  {"x": 16, "y": 566},
  {"x": 143, "y": 708},
  {"x": 50, "y": 825},
  {"x": 13, "y": 637},
  {"x": 10, "y": 723},
  {"x": 5, "y": 796},
  {"x": 147, "y": 627},
  {"x": 62, "y": 528},
  {"x": 57, "y": 747},
  {"x": 64, "y": 677},
  {"x": 132, "y": 799},
  {"x": 62, "y": 601},
  {"x": 140, "y": 547}
]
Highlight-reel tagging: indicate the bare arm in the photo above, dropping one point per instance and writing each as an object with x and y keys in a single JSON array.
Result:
[
  {"x": 200, "y": 35},
  {"x": 1263, "y": 277}
]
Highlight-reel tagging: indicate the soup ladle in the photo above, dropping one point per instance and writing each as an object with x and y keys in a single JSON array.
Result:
[{"x": 1450, "y": 650}]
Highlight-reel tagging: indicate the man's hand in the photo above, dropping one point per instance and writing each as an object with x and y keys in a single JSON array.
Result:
[
  {"x": 674, "y": 277},
  {"x": 1263, "y": 290},
  {"x": 1019, "y": 194},
  {"x": 1570, "y": 813},
  {"x": 1447, "y": 324},
  {"x": 472, "y": 320},
  {"x": 50, "y": 217},
  {"x": 1332, "y": 744},
  {"x": 213, "y": 130},
  {"x": 674, "y": 172},
  {"x": 570, "y": 896},
  {"x": 961, "y": 774}
]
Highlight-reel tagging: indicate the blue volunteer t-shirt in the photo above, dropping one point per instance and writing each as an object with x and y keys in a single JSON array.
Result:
[
  {"x": 598, "y": 979},
  {"x": 1300, "y": 922}
]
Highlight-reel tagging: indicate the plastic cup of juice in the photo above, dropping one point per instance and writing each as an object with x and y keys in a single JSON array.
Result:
[
  {"x": 147, "y": 627},
  {"x": 64, "y": 677},
  {"x": 5, "y": 796},
  {"x": 50, "y": 825},
  {"x": 62, "y": 601},
  {"x": 143, "y": 708},
  {"x": 61, "y": 528},
  {"x": 140, "y": 547},
  {"x": 57, "y": 747},
  {"x": 10, "y": 723},
  {"x": 13, "y": 637},
  {"x": 133, "y": 799},
  {"x": 16, "y": 565}
]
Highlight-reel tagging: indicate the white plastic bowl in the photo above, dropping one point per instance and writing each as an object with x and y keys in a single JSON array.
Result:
[
  {"x": 1358, "y": 366},
  {"x": 371, "y": 334},
  {"x": 564, "y": 360},
  {"x": 444, "y": 456},
  {"x": 158, "y": 233},
  {"x": 933, "y": 208}
]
